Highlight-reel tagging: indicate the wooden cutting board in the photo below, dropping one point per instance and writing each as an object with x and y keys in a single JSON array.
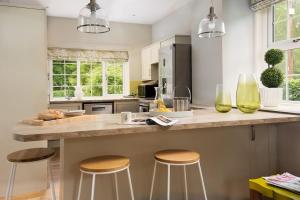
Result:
[{"x": 38, "y": 122}]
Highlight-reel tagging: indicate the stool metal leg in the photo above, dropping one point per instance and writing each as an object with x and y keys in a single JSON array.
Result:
[
  {"x": 93, "y": 187},
  {"x": 11, "y": 180},
  {"x": 116, "y": 184},
  {"x": 201, "y": 176},
  {"x": 185, "y": 183},
  {"x": 80, "y": 185},
  {"x": 52, "y": 187},
  {"x": 153, "y": 178},
  {"x": 168, "y": 186},
  {"x": 130, "y": 184}
]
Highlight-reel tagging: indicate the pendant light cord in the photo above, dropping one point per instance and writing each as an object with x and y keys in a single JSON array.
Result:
[{"x": 212, "y": 3}]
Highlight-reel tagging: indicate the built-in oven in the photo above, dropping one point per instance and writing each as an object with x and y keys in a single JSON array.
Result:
[
  {"x": 147, "y": 89},
  {"x": 98, "y": 108},
  {"x": 144, "y": 107}
]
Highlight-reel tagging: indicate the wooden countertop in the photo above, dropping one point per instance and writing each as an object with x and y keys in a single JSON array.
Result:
[{"x": 108, "y": 124}]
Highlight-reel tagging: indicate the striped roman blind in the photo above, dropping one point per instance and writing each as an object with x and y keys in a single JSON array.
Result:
[
  {"x": 86, "y": 55},
  {"x": 261, "y": 4}
]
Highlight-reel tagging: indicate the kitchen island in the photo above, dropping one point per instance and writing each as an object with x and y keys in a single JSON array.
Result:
[{"x": 233, "y": 147}]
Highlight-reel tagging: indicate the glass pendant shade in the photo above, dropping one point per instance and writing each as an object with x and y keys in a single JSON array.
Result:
[
  {"x": 211, "y": 26},
  {"x": 92, "y": 19}
]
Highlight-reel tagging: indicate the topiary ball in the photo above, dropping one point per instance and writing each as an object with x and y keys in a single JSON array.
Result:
[
  {"x": 272, "y": 77},
  {"x": 274, "y": 56}
]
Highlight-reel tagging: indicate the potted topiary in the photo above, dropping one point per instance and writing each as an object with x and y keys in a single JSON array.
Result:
[{"x": 272, "y": 78}]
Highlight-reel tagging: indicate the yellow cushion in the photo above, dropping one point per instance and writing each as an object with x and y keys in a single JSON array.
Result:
[{"x": 272, "y": 192}]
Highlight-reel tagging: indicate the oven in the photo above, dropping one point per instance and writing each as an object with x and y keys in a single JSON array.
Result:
[
  {"x": 98, "y": 108},
  {"x": 144, "y": 107}
]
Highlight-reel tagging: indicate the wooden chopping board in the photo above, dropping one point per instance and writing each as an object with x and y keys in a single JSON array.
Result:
[{"x": 38, "y": 122}]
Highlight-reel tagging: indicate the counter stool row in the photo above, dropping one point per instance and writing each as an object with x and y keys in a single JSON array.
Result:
[
  {"x": 115, "y": 164},
  {"x": 109, "y": 164}
]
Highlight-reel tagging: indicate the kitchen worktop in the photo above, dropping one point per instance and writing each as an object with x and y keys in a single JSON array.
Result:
[
  {"x": 108, "y": 124},
  {"x": 95, "y": 100}
]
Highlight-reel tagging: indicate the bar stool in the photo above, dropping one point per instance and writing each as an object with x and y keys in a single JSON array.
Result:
[
  {"x": 105, "y": 165},
  {"x": 177, "y": 157},
  {"x": 29, "y": 156}
]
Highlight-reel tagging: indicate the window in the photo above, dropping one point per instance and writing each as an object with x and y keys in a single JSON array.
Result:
[
  {"x": 95, "y": 78},
  {"x": 284, "y": 34},
  {"x": 114, "y": 77},
  {"x": 64, "y": 78},
  {"x": 91, "y": 78}
]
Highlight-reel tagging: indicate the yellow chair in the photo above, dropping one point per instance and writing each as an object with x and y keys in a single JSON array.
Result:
[{"x": 259, "y": 189}]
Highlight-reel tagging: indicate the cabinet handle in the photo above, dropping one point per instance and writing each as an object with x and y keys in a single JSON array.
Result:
[{"x": 253, "y": 134}]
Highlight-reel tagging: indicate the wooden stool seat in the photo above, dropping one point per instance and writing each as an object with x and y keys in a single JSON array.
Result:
[
  {"x": 31, "y": 155},
  {"x": 108, "y": 164},
  {"x": 104, "y": 164},
  {"x": 177, "y": 156},
  {"x": 28, "y": 156}
]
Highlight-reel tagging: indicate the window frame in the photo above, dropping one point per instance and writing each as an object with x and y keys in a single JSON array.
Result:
[
  {"x": 125, "y": 75},
  {"x": 284, "y": 45}
]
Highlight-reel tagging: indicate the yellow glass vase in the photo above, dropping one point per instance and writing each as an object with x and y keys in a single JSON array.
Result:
[
  {"x": 247, "y": 95},
  {"x": 223, "y": 99}
]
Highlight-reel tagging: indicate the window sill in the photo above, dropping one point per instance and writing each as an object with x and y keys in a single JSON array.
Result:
[
  {"x": 291, "y": 108},
  {"x": 106, "y": 98}
]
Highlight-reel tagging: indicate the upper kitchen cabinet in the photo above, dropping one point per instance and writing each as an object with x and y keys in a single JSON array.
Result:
[
  {"x": 150, "y": 59},
  {"x": 155, "y": 52},
  {"x": 146, "y": 63},
  {"x": 177, "y": 39}
]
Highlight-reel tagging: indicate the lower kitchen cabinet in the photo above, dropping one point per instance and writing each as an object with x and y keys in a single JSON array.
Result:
[
  {"x": 126, "y": 106},
  {"x": 66, "y": 106}
]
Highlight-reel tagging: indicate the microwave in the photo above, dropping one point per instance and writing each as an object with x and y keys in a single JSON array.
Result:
[{"x": 147, "y": 89}]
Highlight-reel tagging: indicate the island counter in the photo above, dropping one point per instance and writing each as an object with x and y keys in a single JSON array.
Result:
[{"x": 233, "y": 147}]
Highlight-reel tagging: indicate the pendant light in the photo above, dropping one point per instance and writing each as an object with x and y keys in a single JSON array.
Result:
[
  {"x": 211, "y": 26},
  {"x": 92, "y": 19}
]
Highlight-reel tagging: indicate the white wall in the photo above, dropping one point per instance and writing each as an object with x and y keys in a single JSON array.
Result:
[
  {"x": 178, "y": 22},
  {"x": 23, "y": 86},
  {"x": 62, "y": 32},
  {"x": 238, "y": 43}
]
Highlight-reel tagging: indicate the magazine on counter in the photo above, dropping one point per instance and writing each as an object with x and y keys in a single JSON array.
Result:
[
  {"x": 286, "y": 181},
  {"x": 162, "y": 121},
  {"x": 158, "y": 120}
]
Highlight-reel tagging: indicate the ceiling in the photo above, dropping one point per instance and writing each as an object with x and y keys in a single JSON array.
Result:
[{"x": 131, "y": 11}]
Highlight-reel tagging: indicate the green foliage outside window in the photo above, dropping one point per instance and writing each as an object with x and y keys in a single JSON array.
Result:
[
  {"x": 114, "y": 78},
  {"x": 294, "y": 89},
  {"x": 64, "y": 78},
  {"x": 91, "y": 78}
]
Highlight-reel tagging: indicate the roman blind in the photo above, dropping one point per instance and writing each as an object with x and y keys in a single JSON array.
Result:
[
  {"x": 86, "y": 55},
  {"x": 261, "y": 4}
]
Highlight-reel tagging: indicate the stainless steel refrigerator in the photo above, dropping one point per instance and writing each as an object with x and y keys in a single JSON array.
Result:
[{"x": 175, "y": 70}]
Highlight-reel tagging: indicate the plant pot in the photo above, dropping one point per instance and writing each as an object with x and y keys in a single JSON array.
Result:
[{"x": 271, "y": 97}]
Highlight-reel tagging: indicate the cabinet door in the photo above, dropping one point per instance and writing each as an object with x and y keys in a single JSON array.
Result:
[
  {"x": 155, "y": 52},
  {"x": 66, "y": 106},
  {"x": 146, "y": 63},
  {"x": 128, "y": 106}
]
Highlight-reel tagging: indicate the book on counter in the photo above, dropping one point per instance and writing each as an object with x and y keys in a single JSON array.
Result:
[
  {"x": 157, "y": 120},
  {"x": 285, "y": 181}
]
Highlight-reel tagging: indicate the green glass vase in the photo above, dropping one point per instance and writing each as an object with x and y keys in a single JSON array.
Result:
[
  {"x": 247, "y": 94},
  {"x": 223, "y": 99}
]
